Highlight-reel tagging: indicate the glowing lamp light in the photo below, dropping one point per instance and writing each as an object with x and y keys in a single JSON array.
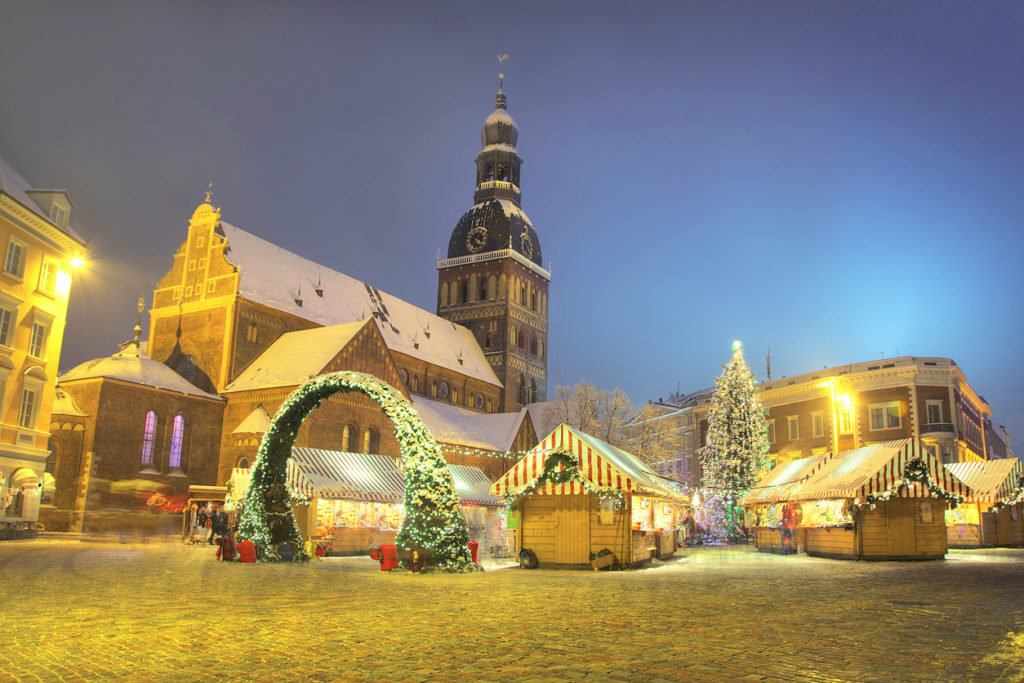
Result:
[
  {"x": 737, "y": 345},
  {"x": 76, "y": 262},
  {"x": 62, "y": 285}
]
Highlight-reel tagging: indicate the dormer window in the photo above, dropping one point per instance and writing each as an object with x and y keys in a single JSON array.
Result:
[{"x": 59, "y": 215}]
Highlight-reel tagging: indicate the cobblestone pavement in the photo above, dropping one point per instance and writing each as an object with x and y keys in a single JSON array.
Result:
[{"x": 77, "y": 610}]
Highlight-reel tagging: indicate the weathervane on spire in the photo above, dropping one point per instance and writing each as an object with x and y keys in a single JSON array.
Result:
[
  {"x": 501, "y": 76},
  {"x": 209, "y": 192},
  {"x": 138, "y": 323}
]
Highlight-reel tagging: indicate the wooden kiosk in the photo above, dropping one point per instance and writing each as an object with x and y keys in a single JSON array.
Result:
[
  {"x": 994, "y": 516},
  {"x": 880, "y": 502},
  {"x": 577, "y": 495}
]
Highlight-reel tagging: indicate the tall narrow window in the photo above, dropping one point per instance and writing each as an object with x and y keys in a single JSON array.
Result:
[
  {"x": 47, "y": 276},
  {"x": 14, "y": 264},
  {"x": 37, "y": 344},
  {"x": 148, "y": 432},
  {"x": 818, "y": 423},
  {"x": 347, "y": 438},
  {"x": 177, "y": 432},
  {"x": 369, "y": 441},
  {"x": 29, "y": 404},
  {"x": 6, "y": 327}
]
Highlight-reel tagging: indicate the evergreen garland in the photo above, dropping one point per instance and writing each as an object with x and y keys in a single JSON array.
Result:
[
  {"x": 737, "y": 446},
  {"x": 433, "y": 516},
  {"x": 1017, "y": 498},
  {"x": 916, "y": 471},
  {"x": 560, "y": 467}
]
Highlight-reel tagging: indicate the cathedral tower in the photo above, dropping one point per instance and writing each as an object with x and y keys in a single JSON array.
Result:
[{"x": 492, "y": 281}]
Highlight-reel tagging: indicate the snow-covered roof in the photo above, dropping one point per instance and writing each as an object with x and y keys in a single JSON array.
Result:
[
  {"x": 64, "y": 404},
  {"x": 295, "y": 357},
  {"x": 993, "y": 481},
  {"x": 132, "y": 364},
  {"x": 13, "y": 184},
  {"x": 463, "y": 427},
  {"x": 280, "y": 279},
  {"x": 783, "y": 478},
  {"x": 256, "y": 422}
]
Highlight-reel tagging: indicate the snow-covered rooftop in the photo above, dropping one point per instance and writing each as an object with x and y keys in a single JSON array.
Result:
[
  {"x": 64, "y": 404},
  {"x": 132, "y": 364},
  {"x": 13, "y": 184},
  {"x": 295, "y": 357},
  {"x": 256, "y": 422},
  {"x": 463, "y": 427},
  {"x": 288, "y": 282}
]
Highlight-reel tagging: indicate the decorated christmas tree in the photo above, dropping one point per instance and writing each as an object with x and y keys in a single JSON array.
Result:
[{"x": 737, "y": 447}]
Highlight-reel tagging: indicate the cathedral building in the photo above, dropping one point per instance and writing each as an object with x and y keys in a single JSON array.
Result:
[{"x": 492, "y": 281}]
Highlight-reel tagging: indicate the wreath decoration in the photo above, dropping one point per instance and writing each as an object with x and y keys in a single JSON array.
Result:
[
  {"x": 1017, "y": 498},
  {"x": 560, "y": 467},
  {"x": 915, "y": 471},
  {"x": 433, "y": 514}
]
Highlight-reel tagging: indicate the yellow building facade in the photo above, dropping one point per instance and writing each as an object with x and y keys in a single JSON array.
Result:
[{"x": 40, "y": 251}]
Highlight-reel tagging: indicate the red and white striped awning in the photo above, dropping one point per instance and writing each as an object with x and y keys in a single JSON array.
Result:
[
  {"x": 783, "y": 478},
  {"x": 875, "y": 470},
  {"x": 993, "y": 481},
  {"x": 604, "y": 467}
]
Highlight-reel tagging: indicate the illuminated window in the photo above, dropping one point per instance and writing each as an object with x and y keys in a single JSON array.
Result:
[
  {"x": 886, "y": 415},
  {"x": 177, "y": 432},
  {"x": 349, "y": 436},
  {"x": 845, "y": 421},
  {"x": 818, "y": 424},
  {"x": 14, "y": 264},
  {"x": 148, "y": 432},
  {"x": 369, "y": 441},
  {"x": 59, "y": 215},
  {"x": 29, "y": 406},
  {"x": 512, "y": 332},
  {"x": 199, "y": 241},
  {"x": 47, "y": 276},
  {"x": 188, "y": 291},
  {"x": 934, "y": 411},
  {"x": 210, "y": 286},
  {"x": 252, "y": 333},
  {"x": 37, "y": 344},
  {"x": 794, "y": 430}
]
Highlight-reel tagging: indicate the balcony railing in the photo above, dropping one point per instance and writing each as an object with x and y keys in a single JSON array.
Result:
[{"x": 938, "y": 427}]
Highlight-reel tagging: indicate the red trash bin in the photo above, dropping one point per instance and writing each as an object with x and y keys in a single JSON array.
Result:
[{"x": 473, "y": 547}]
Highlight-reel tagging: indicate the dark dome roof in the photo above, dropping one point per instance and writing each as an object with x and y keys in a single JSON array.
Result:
[{"x": 495, "y": 224}]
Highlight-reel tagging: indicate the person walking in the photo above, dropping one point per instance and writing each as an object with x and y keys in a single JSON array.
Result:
[{"x": 219, "y": 526}]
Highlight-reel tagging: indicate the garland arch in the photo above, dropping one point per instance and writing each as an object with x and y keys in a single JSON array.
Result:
[{"x": 433, "y": 516}]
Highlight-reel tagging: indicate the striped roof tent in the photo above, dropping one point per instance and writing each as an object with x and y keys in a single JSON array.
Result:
[
  {"x": 783, "y": 478},
  {"x": 318, "y": 473},
  {"x": 875, "y": 470},
  {"x": 604, "y": 466},
  {"x": 993, "y": 481}
]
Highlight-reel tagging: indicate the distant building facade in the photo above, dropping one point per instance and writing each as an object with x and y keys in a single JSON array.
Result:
[{"x": 40, "y": 247}]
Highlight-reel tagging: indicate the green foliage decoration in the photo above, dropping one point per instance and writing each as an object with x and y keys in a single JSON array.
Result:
[
  {"x": 915, "y": 471},
  {"x": 560, "y": 467},
  {"x": 433, "y": 515}
]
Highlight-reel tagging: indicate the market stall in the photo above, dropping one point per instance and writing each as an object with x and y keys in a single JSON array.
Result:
[
  {"x": 576, "y": 495},
  {"x": 351, "y": 503},
  {"x": 201, "y": 498},
  {"x": 880, "y": 502},
  {"x": 994, "y": 516}
]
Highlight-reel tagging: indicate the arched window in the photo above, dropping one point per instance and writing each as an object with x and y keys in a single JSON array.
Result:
[
  {"x": 148, "y": 433},
  {"x": 455, "y": 395},
  {"x": 522, "y": 295},
  {"x": 369, "y": 441},
  {"x": 415, "y": 384},
  {"x": 349, "y": 436},
  {"x": 533, "y": 345},
  {"x": 483, "y": 289},
  {"x": 522, "y": 389},
  {"x": 512, "y": 335},
  {"x": 252, "y": 333},
  {"x": 243, "y": 463},
  {"x": 522, "y": 340},
  {"x": 465, "y": 291},
  {"x": 177, "y": 432},
  {"x": 533, "y": 391},
  {"x": 540, "y": 348},
  {"x": 443, "y": 390}
]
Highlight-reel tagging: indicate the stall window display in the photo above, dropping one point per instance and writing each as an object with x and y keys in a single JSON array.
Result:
[
  {"x": 662, "y": 515},
  {"x": 358, "y": 515},
  {"x": 822, "y": 513},
  {"x": 642, "y": 514}
]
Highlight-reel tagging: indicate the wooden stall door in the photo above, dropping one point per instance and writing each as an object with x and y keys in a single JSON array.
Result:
[
  {"x": 900, "y": 514},
  {"x": 572, "y": 533}
]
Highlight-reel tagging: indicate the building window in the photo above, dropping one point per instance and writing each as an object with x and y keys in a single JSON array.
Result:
[
  {"x": 348, "y": 437},
  {"x": 188, "y": 291},
  {"x": 29, "y": 407},
  {"x": 886, "y": 415},
  {"x": 14, "y": 264},
  {"x": 794, "y": 430},
  {"x": 369, "y": 441},
  {"x": 934, "y": 409},
  {"x": 533, "y": 301},
  {"x": 492, "y": 333},
  {"x": 818, "y": 424},
  {"x": 252, "y": 333},
  {"x": 210, "y": 286},
  {"x": 37, "y": 344},
  {"x": 243, "y": 463},
  {"x": 202, "y": 263},
  {"x": 59, "y": 215},
  {"x": 533, "y": 346},
  {"x": 47, "y": 276},
  {"x": 455, "y": 395},
  {"x": 177, "y": 432},
  {"x": 148, "y": 433},
  {"x": 512, "y": 333},
  {"x": 947, "y": 454},
  {"x": 443, "y": 390},
  {"x": 415, "y": 384},
  {"x": 771, "y": 433},
  {"x": 483, "y": 290},
  {"x": 533, "y": 391},
  {"x": 6, "y": 326},
  {"x": 846, "y": 421},
  {"x": 522, "y": 389},
  {"x": 199, "y": 241}
]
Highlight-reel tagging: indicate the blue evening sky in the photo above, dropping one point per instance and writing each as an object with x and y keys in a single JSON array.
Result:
[{"x": 838, "y": 181}]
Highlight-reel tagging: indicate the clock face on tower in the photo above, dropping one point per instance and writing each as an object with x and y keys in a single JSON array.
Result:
[
  {"x": 476, "y": 239},
  {"x": 527, "y": 244}
]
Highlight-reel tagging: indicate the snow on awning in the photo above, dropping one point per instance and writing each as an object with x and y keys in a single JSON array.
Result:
[
  {"x": 874, "y": 470},
  {"x": 783, "y": 478},
  {"x": 334, "y": 475},
  {"x": 993, "y": 481},
  {"x": 473, "y": 486},
  {"x": 604, "y": 466}
]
